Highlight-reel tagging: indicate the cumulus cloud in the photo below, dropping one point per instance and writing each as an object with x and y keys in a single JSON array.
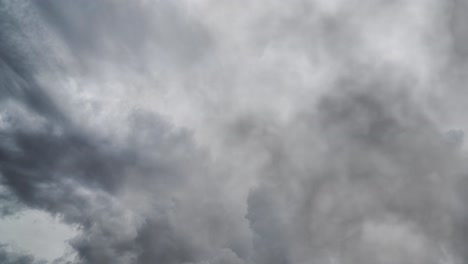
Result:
[{"x": 237, "y": 132}]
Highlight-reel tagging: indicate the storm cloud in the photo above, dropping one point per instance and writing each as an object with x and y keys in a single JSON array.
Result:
[{"x": 230, "y": 132}]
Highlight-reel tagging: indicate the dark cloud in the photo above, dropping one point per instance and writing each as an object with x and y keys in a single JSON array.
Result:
[
  {"x": 54, "y": 166},
  {"x": 8, "y": 257},
  {"x": 457, "y": 22},
  {"x": 385, "y": 164},
  {"x": 321, "y": 148},
  {"x": 69, "y": 175}
]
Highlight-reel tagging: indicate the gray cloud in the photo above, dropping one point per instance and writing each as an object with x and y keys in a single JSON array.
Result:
[
  {"x": 17, "y": 258},
  {"x": 220, "y": 132},
  {"x": 385, "y": 169},
  {"x": 162, "y": 28}
]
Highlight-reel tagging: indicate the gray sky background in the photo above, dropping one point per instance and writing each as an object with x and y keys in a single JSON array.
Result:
[{"x": 233, "y": 132}]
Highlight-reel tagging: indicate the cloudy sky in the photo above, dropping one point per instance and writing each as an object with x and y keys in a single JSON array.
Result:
[{"x": 233, "y": 132}]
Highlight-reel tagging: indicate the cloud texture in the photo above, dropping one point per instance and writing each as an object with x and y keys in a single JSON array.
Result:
[{"x": 238, "y": 132}]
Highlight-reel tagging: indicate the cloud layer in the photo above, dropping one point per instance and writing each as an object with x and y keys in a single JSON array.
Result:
[{"x": 224, "y": 132}]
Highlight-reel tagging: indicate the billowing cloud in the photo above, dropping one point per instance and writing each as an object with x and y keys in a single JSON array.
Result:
[{"x": 231, "y": 132}]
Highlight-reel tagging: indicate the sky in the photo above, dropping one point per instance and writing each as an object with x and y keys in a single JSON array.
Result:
[{"x": 233, "y": 132}]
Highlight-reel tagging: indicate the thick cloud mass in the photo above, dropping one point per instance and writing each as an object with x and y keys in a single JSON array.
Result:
[{"x": 231, "y": 132}]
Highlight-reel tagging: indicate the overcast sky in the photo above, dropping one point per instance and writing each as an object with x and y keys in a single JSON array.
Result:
[{"x": 233, "y": 132}]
